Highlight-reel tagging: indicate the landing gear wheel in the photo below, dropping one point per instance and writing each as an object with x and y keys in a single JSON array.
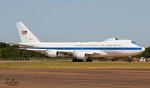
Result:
[
  {"x": 77, "y": 60},
  {"x": 129, "y": 59},
  {"x": 88, "y": 60}
]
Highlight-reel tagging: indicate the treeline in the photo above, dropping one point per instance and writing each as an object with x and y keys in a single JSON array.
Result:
[{"x": 7, "y": 51}]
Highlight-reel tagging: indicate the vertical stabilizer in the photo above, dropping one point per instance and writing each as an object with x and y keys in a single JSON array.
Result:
[{"x": 26, "y": 35}]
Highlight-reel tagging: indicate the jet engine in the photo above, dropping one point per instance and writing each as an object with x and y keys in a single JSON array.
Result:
[
  {"x": 52, "y": 53},
  {"x": 80, "y": 55}
]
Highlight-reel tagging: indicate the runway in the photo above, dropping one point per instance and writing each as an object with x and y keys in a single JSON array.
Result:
[{"x": 74, "y": 78}]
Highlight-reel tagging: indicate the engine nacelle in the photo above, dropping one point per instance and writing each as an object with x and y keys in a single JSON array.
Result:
[
  {"x": 80, "y": 55},
  {"x": 52, "y": 53}
]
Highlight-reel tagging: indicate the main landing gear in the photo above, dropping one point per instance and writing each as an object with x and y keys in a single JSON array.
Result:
[
  {"x": 88, "y": 60},
  {"x": 77, "y": 60},
  {"x": 81, "y": 60}
]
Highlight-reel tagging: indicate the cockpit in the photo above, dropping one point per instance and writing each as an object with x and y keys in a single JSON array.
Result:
[{"x": 133, "y": 42}]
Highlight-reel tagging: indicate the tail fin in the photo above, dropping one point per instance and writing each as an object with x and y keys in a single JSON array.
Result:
[{"x": 25, "y": 34}]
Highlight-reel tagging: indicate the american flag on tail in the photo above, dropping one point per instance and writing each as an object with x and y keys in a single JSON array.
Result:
[{"x": 24, "y": 32}]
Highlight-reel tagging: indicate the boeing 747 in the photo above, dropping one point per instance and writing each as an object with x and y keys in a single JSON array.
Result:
[{"x": 79, "y": 51}]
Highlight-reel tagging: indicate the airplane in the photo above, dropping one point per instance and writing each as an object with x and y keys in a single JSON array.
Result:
[{"x": 79, "y": 51}]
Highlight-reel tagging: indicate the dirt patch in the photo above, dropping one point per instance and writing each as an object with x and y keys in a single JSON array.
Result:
[{"x": 74, "y": 78}]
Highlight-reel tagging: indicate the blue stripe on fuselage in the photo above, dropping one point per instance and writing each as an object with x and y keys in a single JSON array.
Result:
[{"x": 89, "y": 48}]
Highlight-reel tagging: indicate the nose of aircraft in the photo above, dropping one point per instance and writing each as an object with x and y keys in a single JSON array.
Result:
[{"x": 143, "y": 49}]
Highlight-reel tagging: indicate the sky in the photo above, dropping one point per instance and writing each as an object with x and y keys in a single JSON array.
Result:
[{"x": 77, "y": 20}]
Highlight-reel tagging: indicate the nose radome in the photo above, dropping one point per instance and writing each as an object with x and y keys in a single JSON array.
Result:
[{"x": 143, "y": 49}]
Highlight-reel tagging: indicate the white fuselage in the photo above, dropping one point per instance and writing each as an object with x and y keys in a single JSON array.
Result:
[{"x": 115, "y": 48}]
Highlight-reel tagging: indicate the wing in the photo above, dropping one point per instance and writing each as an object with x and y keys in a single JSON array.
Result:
[
  {"x": 63, "y": 53},
  {"x": 20, "y": 45}
]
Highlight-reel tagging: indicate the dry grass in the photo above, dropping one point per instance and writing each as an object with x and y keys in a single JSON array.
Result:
[{"x": 74, "y": 65}]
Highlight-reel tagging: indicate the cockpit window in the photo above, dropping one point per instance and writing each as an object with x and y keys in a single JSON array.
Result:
[{"x": 133, "y": 42}]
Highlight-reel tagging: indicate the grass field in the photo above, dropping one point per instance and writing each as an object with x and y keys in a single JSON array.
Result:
[{"x": 74, "y": 65}]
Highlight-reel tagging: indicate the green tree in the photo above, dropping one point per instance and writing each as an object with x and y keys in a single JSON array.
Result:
[{"x": 7, "y": 51}]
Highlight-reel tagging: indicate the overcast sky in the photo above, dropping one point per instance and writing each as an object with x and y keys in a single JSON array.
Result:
[{"x": 77, "y": 20}]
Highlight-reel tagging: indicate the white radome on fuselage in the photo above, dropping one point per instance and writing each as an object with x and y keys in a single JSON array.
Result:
[{"x": 109, "y": 48}]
